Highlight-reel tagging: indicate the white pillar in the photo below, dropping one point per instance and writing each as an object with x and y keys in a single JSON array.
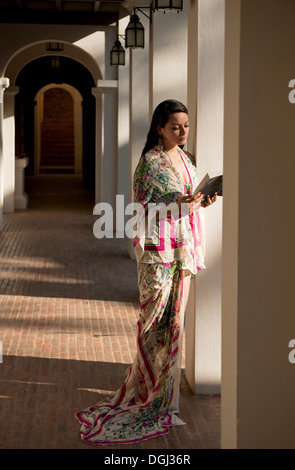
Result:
[
  {"x": 109, "y": 88},
  {"x": 99, "y": 142},
  {"x": 229, "y": 419},
  {"x": 4, "y": 83},
  {"x": 106, "y": 141},
  {"x": 20, "y": 196},
  {"x": 139, "y": 100},
  {"x": 123, "y": 181},
  {"x": 9, "y": 148},
  {"x": 258, "y": 378},
  {"x": 78, "y": 130},
  {"x": 139, "y": 105},
  {"x": 203, "y": 322},
  {"x": 169, "y": 43}
]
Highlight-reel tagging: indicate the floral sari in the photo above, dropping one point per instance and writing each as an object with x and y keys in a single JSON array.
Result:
[{"x": 172, "y": 246}]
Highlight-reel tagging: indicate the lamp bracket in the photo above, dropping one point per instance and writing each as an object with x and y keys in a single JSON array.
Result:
[{"x": 146, "y": 8}]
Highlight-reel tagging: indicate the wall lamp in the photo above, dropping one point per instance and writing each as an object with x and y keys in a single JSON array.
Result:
[
  {"x": 118, "y": 53},
  {"x": 167, "y": 5},
  {"x": 134, "y": 33}
]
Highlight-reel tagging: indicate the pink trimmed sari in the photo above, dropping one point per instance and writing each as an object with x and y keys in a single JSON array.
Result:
[{"x": 146, "y": 404}]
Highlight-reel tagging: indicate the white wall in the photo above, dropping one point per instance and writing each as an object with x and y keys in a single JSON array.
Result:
[{"x": 205, "y": 97}]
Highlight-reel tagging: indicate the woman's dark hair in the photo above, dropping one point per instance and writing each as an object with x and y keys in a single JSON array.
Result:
[{"x": 161, "y": 116}]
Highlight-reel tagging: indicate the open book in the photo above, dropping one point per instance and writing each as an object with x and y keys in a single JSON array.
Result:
[{"x": 210, "y": 186}]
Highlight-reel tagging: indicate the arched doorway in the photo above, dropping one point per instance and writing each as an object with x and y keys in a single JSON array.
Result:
[
  {"x": 32, "y": 78},
  {"x": 58, "y": 130},
  {"x": 57, "y": 148}
]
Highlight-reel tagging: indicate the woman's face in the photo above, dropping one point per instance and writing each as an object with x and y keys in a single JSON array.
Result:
[{"x": 175, "y": 131}]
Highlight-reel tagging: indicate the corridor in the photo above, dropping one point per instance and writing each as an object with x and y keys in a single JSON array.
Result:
[{"x": 68, "y": 311}]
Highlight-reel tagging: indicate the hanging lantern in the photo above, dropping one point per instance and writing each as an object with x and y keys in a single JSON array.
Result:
[
  {"x": 134, "y": 33},
  {"x": 117, "y": 54},
  {"x": 167, "y": 5},
  {"x": 54, "y": 47}
]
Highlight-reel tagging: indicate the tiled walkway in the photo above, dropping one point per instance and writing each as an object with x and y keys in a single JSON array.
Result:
[{"x": 68, "y": 313}]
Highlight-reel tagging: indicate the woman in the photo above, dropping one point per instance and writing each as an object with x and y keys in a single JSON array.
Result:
[{"x": 169, "y": 251}]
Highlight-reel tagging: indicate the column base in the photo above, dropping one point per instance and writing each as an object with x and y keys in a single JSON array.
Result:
[
  {"x": 21, "y": 202},
  {"x": 20, "y": 197}
]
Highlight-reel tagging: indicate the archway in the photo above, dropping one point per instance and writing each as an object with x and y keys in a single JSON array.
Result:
[
  {"x": 36, "y": 75},
  {"x": 57, "y": 152},
  {"x": 58, "y": 130}
]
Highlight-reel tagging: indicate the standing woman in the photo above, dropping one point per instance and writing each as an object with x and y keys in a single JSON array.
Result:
[{"x": 168, "y": 256}]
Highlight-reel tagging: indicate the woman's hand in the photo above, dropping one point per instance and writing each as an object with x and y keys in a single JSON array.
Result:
[
  {"x": 207, "y": 201},
  {"x": 191, "y": 201}
]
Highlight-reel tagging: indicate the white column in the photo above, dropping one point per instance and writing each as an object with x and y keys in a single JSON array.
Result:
[
  {"x": 229, "y": 419},
  {"x": 20, "y": 196},
  {"x": 139, "y": 105},
  {"x": 169, "y": 44},
  {"x": 99, "y": 142},
  {"x": 4, "y": 83},
  {"x": 123, "y": 181},
  {"x": 139, "y": 99},
  {"x": 106, "y": 141},
  {"x": 9, "y": 148},
  {"x": 109, "y": 88},
  {"x": 203, "y": 322},
  {"x": 258, "y": 378},
  {"x": 78, "y": 130}
]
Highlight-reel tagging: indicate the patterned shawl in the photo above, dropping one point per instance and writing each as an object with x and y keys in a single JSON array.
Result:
[{"x": 165, "y": 239}]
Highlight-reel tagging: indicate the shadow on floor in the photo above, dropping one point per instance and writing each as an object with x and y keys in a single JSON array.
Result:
[
  {"x": 39, "y": 397},
  {"x": 55, "y": 253}
]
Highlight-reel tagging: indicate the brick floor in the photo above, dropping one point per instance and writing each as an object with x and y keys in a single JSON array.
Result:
[{"x": 68, "y": 312}]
